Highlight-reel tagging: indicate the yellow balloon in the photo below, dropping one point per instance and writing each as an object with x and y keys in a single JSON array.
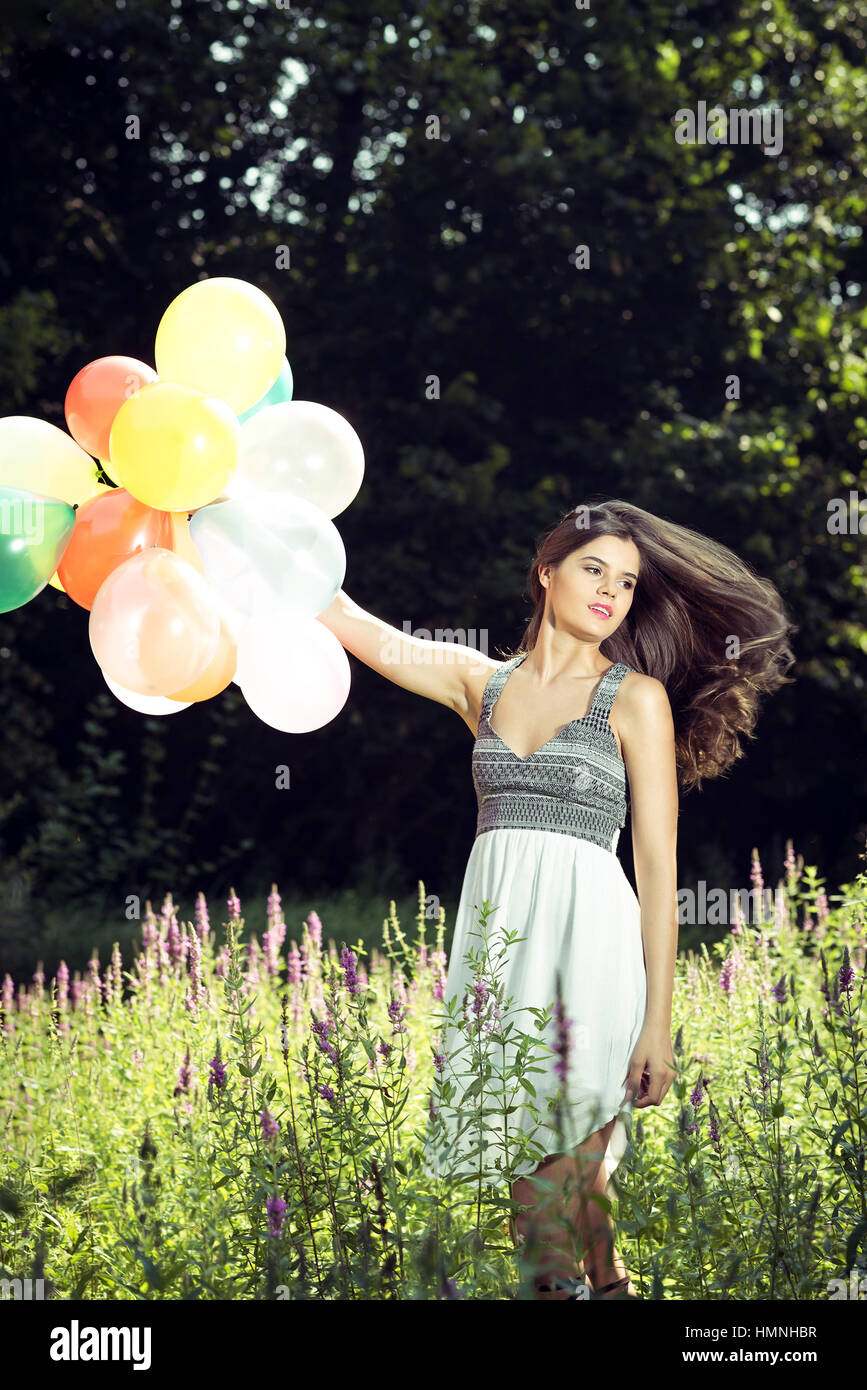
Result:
[
  {"x": 55, "y": 582},
  {"x": 173, "y": 448},
  {"x": 38, "y": 457},
  {"x": 222, "y": 337}
]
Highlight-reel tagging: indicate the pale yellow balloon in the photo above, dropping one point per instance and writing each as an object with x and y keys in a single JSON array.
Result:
[
  {"x": 95, "y": 488},
  {"x": 222, "y": 337},
  {"x": 41, "y": 458}
]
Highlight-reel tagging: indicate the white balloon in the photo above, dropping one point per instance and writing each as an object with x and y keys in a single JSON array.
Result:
[
  {"x": 295, "y": 677},
  {"x": 302, "y": 448},
  {"x": 144, "y": 704},
  {"x": 277, "y": 554}
]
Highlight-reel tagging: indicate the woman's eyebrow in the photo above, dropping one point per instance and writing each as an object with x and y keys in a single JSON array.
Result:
[{"x": 628, "y": 573}]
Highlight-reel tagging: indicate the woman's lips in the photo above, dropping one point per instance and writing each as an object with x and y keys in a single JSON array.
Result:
[{"x": 599, "y": 614}]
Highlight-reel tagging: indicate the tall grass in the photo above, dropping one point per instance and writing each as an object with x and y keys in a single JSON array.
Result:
[{"x": 226, "y": 1117}]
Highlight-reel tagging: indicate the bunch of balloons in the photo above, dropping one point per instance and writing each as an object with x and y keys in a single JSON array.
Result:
[{"x": 210, "y": 554}]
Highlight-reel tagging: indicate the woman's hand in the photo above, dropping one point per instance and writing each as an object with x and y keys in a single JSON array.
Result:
[{"x": 652, "y": 1067}]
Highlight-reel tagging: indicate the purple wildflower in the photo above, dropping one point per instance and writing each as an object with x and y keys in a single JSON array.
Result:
[
  {"x": 293, "y": 965},
  {"x": 495, "y": 1016},
  {"x": 563, "y": 1025},
  {"x": 117, "y": 969},
  {"x": 270, "y": 1126},
  {"x": 440, "y": 1061},
  {"x": 234, "y": 906},
  {"x": 384, "y": 1049},
  {"x": 779, "y": 990},
  {"x": 846, "y": 974},
  {"x": 218, "y": 1074},
  {"x": 8, "y": 996},
  {"x": 274, "y": 909},
  {"x": 94, "y": 979},
  {"x": 185, "y": 1076},
  {"x": 712, "y": 1129},
  {"x": 321, "y": 1031},
  {"x": 274, "y": 936},
  {"x": 397, "y": 1013},
  {"x": 314, "y": 926},
  {"x": 728, "y": 971},
  {"x": 448, "y": 1289},
  {"x": 350, "y": 974},
  {"x": 202, "y": 921},
  {"x": 480, "y": 990},
  {"x": 325, "y": 1091},
  {"x": 173, "y": 939},
  {"x": 62, "y": 983},
  {"x": 276, "y": 1209},
  {"x": 756, "y": 873}
]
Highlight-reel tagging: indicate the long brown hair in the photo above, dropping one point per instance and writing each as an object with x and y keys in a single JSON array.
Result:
[{"x": 694, "y": 599}]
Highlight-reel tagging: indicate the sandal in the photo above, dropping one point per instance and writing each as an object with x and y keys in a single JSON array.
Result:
[
  {"x": 617, "y": 1284},
  {"x": 577, "y": 1286}
]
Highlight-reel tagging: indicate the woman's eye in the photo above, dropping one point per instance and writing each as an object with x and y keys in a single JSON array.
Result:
[{"x": 594, "y": 569}]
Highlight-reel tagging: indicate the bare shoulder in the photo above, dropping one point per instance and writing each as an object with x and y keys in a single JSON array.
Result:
[
  {"x": 643, "y": 706},
  {"x": 642, "y": 696},
  {"x": 640, "y": 691}
]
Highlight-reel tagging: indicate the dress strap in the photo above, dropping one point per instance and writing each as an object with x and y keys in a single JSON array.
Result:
[
  {"x": 495, "y": 684},
  {"x": 608, "y": 687}
]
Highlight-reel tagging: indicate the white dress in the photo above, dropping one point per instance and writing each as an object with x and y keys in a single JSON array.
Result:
[{"x": 545, "y": 857}]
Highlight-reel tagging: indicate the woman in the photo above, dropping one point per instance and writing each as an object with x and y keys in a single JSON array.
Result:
[{"x": 644, "y": 659}]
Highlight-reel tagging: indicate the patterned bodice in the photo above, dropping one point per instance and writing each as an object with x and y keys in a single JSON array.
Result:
[{"x": 574, "y": 785}]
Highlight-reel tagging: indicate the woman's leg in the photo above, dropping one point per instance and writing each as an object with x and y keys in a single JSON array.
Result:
[
  {"x": 601, "y": 1261},
  {"x": 544, "y": 1223},
  {"x": 540, "y": 1227}
]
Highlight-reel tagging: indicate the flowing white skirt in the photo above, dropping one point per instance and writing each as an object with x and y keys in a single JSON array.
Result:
[{"x": 576, "y": 911}]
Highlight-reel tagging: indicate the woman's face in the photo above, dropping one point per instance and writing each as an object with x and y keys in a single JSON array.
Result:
[{"x": 600, "y": 576}]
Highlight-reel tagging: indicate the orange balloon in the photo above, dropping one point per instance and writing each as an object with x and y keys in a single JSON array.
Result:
[
  {"x": 108, "y": 529},
  {"x": 97, "y": 393},
  {"x": 219, "y": 673},
  {"x": 182, "y": 542},
  {"x": 154, "y": 625}
]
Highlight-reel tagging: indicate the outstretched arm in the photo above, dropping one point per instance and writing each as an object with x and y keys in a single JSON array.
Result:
[{"x": 441, "y": 671}]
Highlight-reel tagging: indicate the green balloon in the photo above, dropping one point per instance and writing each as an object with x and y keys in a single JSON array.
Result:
[
  {"x": 34, "y": 532},
  {"x": 279, "y": 392}
]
